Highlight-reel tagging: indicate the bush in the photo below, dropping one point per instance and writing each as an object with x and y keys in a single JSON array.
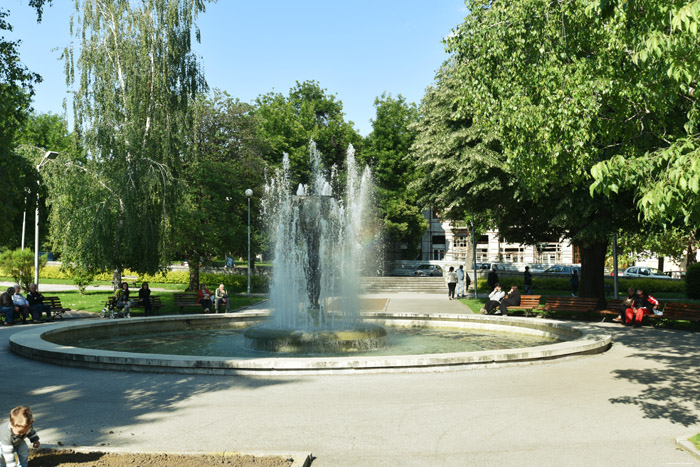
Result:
[
  {"x": 692, "y": 281},
  {"x": 19, "y": 265},
  {"x": 235, "y": 283}
]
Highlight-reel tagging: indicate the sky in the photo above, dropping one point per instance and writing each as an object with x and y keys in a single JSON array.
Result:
[{"x": 355, "y": 49}]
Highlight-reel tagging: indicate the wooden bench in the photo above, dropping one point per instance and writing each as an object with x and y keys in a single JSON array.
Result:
[
  {"x": 156, "y": 303},
  {"x": 614, "y": 309},
  {"x": 527, "y": 303},
  {"x": 679, "y": 311},
  {"x": 578, "y": 305},
  {"x": 186, "y": 299},
  {"x": 57, "y": 309}
]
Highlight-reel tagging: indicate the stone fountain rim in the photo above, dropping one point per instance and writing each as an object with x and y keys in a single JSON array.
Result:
[{"x": 583, "y": 341}]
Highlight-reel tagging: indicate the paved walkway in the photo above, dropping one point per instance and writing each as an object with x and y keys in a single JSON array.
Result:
[{"x": 621, "y": 408}]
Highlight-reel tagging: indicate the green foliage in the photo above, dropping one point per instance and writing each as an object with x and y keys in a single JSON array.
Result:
[
  {"x": 19, "y": 264},
  {"x": 81, "y": 277},
  {"x": 236, "y": 283},
  {"x": 692, "y": 281},
  {"x": 112, "y": 199}
]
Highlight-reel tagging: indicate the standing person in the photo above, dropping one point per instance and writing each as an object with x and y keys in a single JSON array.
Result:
[
  {"x": 122, "y": 301},
  {"x": 204, "y": 297},
  {"x": 13, "y": 435},
  {"x": 574, "y": 283},
  {"x": 7, "y": 306},
  {"x": 495, "y": 298},
  {"x": 527, "y": 281},
  {"x": 512, "y": 299},
  {"x": 467, "y": 282},
  {"x": 21, "y": 304},
  {"x": 492, "y": 278},
  {"x": 145, "y": 298},
  {"x": 642, "y": 304},
  {"x": 451, "y": 283},
  {"x": 36, "y": 302},
  {"x": 460, "y": 281},
  {"x": 220, "y": 295}
]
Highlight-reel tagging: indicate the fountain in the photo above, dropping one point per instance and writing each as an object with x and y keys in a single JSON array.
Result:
[{"x": 317, "y": 255}]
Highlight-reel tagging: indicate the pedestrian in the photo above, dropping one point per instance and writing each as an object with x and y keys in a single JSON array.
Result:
[
  {"x": 492, "y": 278},
  {"x": 574, "y": 283},
  {"x": 527, "y": 281},
  {"x": 451, "y": 283},
  {"x": 460, "y": 281},
  {"x": 12, "y": 437}
]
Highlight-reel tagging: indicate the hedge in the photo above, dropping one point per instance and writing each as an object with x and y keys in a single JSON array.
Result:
[{"x": 562, "y": 283}]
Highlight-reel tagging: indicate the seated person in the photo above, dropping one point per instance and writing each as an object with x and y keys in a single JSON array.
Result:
[
  {"x": 36, "y": 302},
  {"x": 21, "y": 303},
  {"x": 512, "y": 299},
  {"x": 220, "y": 296},
  {"x": 204, "y": 298},
  {"x": 122, "y": 301},
  {"x": 642, "y": 304},
  {"x": 7, "y": 306},
  {"x": 626, "y": 303},
  {"x": 145, "y": 298},
  {"x": 495, "y": 298}
]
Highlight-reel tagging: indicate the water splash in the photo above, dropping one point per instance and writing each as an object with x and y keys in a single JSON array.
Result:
[{"x": 318, "y": 247}]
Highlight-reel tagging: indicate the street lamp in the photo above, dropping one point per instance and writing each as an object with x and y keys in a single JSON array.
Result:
[
  {"x": 249, "y": 193},
  {"x": 47, "y": 157}
]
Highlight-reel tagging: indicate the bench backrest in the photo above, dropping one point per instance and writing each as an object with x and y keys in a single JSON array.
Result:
[
  {"x": 682, "y": 310},
  {"x": 572, "y": 303},
  {"x": 185, "y": 297},
  {"x": 530, "y": 300}
]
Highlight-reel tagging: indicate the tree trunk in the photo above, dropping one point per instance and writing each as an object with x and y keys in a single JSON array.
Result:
[
  {"x": 592, "y": 282},
  {"x": 660, "y": 263},
  {"x": 691, "y": 253},
  {"x": 117, "y": 278},
  {"x": 193, "y": 265}
]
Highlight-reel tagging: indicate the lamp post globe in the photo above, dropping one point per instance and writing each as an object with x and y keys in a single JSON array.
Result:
[{"x": 249, "y": 193}]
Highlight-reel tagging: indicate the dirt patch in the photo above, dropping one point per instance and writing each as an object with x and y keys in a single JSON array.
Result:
[{"x": 70, "y": 458}]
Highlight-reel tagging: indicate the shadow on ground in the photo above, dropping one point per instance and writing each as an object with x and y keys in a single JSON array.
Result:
[{"x": 671, "y": 385}]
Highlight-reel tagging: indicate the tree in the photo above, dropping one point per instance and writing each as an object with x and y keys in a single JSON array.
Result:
[
  {"x": 113, "y": 200},
  {"x": 387, "y": 151},
  {"x": 19, "y": 264},
  {"x": 16, "y": 91},
  {"x": 558, "y": 92},
  {"x": 289, "y": 123},
  {"x": 223, "y": 159},
  {"x": 665, "y": 45}
]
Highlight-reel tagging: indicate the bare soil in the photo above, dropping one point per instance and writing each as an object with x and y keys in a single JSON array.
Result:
[{"x": 70, "y": 458}]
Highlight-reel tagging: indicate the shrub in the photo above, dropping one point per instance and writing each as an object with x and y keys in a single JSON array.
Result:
[
  {"x": 19, "y": 265},
  {"x": 692, "y": 281}
]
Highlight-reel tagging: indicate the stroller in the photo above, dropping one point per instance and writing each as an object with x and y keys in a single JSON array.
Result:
[{"x": 115, "y": 309}]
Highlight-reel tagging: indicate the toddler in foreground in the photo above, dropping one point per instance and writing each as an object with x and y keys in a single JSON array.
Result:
[{"x": 12, "y": 437}]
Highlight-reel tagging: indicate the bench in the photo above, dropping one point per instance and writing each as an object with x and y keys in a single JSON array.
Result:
[
  {"x": 186, "y": 299},
  {"x": 578, "y": 305},
  {"x": 57, "y": 309},
  {"x": 679, "y": 311},
  {"x": 156, "y": 303},
  {"x": 527, "y": 303},
  {"x": 614, "y": 309}
]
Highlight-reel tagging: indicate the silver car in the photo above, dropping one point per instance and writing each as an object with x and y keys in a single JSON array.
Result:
[
  {"x": 428, "y": 270},
  {"x": 643, "y": 271}
]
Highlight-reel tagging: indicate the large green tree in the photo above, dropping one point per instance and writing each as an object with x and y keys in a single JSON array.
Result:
[
  {"x": 136, "y": 78},
  {"x": 387, "y": 150},
  {"x": 289, "y": 123},
  {"x": 662, "y": 40},
  {"x": 223, "y": 159},
  {"x": 557, "y": 91}
]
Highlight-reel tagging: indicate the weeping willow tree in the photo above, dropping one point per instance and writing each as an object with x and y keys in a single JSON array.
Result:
[{"x": 134, "y": 77}]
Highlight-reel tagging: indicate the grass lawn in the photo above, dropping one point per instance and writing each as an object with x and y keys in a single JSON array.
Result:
[
  {"x": 94, "y": 300},
  {"x": 695, "y": 440}
]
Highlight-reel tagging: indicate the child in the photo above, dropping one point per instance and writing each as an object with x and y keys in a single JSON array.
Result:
[{"x": 12, "y": 438}]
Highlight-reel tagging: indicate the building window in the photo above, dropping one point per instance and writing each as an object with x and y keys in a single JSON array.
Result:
[{"x": 438, "y": 239}]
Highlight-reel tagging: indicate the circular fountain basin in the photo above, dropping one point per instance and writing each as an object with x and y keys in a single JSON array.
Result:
[{"x": 571, "y": 341}]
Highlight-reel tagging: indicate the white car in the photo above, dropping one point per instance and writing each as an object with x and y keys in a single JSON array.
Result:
[
  {"x": 561, "y": 269},
  {"x": 428, "y": 270},
  {"x": 642, "y": 271}
]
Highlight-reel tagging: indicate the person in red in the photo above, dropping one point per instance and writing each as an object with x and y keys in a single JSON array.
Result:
[
  {"x": 204, "y": 297},
  {"x": 641, "y": 305}
]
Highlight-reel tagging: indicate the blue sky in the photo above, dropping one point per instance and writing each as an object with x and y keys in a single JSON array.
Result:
[{"x": 355, "y": 49}]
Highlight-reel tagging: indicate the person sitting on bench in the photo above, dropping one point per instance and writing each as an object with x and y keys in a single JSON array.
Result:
[
  {"x": 495, "y": 298},
  {"x": 512, "y": 299}
]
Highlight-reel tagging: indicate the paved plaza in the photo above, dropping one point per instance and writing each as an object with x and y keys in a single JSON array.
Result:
[{"x": 624, "y": 407}]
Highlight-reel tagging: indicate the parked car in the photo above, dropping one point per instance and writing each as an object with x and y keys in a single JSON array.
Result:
[
  {"x": 428, "y": 270},
  {"x": 562, "y": 269},
  {"x": 642, "y": 271},
  {"x": 489, "y": 266}
]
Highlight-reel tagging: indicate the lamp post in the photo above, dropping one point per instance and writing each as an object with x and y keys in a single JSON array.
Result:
[
  {"x": 249, "y": 193},
  {"x": 47, "y": 157}
]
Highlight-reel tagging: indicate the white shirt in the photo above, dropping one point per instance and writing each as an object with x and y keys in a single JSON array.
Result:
[
  {"x": 497, "y": 295},
  {"x": 19, "y": 300}
]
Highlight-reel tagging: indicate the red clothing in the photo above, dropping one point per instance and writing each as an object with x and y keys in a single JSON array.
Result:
[
  {"x": 200, "y": 294},
  {"x": 642, "y": 307}
]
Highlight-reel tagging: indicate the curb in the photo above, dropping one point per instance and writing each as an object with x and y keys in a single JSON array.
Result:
[
  {"x": 299, "y": 459},
  {"x": 683, "y": 442}
]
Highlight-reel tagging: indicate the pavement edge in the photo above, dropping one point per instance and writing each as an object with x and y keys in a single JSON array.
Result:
[{"x": 683, "y": 442}]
